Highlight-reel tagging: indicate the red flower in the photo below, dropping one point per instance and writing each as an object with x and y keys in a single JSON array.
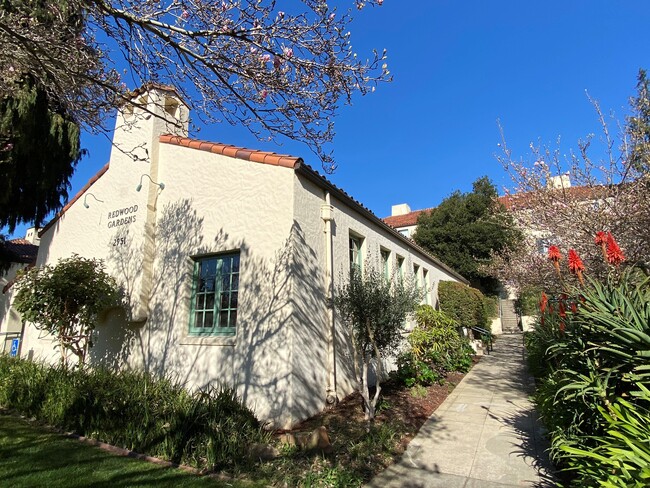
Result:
[
  {"x": 543, "y": 302},
  {"x": 614, "y": 254},
  {"x": 554, "y": 254},
  {"x": 575, "y": 263},
  {"x": 601, "y": 238}
]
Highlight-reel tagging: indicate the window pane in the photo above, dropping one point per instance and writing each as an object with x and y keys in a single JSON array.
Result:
[
  {"x": 209, "y": 319},
  {"x": 216, "y": 298},
  {"x": 209, "y": 301},
  {"x": 223, "y": 319},
  {"x": 225, "y": 283},
  {"x": 233, "y": 318},
  {"x": 226, "y": 266}
]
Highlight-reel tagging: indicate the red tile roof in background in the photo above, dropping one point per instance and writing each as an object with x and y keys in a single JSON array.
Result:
[
  {"x": 22, "y": 250},
  {"x": 520, "y": 201},
  {"x": 405, "y": 220}
]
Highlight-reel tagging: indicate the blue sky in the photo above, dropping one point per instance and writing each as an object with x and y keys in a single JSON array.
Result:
[{"x": 459, "y": 67}]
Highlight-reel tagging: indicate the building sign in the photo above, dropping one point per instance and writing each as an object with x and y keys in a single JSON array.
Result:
[
  {"x": 15, "y": 344},
  {"x": 122, "y": 216}
]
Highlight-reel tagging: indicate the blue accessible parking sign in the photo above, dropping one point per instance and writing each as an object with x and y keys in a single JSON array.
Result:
[{"x": 14, "y": 348}]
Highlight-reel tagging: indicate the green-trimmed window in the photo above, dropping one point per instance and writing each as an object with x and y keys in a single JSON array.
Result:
[
  {"x": 215, "y": 291},
  {"x": 356, "y": 259},
  {"x": 385, "y": 262},
  {"x": 400, "y": 267},
  {"x": 425, "y": 279}
]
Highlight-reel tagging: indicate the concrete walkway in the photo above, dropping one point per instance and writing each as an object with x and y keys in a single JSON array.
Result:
[{"x": 485, "y": 434}]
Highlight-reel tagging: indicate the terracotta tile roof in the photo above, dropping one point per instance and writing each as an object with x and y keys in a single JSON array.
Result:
[
  {"x": 90, "y": 183},
  {"x": 21, "y": 250},
  {"x": 521, "y": 201},
  {"x": 264, "y": 157},
  {"x": 405, "y": 220},
  {"x": 148, "y": 86}
]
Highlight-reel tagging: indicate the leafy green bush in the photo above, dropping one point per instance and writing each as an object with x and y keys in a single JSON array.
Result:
[
  {"x": 491, "y": 306},
  {"x": 208, "y": 429},
  {"x": 435, "y": 349},
  {"x": 621, "y": 456},
  {"x": 528, "y": 301},
  {"x": 464, "y": 304}
]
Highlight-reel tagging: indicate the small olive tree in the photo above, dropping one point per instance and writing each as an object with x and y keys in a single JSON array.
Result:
[
  {"x": 65, "y": 300},
  {"x": 374, "y": 309}
]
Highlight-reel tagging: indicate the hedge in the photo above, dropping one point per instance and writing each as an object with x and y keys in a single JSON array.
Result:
[
  {"x": 464, "y": 304},
  {"x": 209, "y": 429}
]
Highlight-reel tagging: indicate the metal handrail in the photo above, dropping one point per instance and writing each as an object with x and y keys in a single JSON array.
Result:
[{"x": 485, "y": 333}]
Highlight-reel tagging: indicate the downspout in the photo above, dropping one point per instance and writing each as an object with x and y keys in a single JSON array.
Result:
[
  {"x": 327, "y": 214},
  {"x": 140, "y": 313}
]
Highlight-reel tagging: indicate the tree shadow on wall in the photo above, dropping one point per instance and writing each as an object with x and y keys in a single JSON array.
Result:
[
  {"x": 281, "y": 343},
  {"x": 146, "y": 345},
  {"x": 282, "y": 349}
]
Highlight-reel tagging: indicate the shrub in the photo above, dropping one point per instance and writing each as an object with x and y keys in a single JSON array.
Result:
[
  {"x": 435, "y": 349},
  {"x": 491, "y": 306},
  {"x": 463, "y": 304},
  {"x": 528, "y": 301},
  {"x": 208, "y": 429},
  {"x": 591, "y": 351}
]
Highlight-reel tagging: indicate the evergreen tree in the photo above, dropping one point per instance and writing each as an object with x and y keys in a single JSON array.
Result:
[
  {"x": 465, "y": 229},
  {"x": 39, "y": 149}
]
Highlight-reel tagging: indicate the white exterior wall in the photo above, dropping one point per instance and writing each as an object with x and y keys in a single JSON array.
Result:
[
  {"x": 10, "y": 320},
  {"x": 213, "y": 203},
  {"x": 279, "y": 360},
  {"x": 310, "y": 359},
  {"x": 114, "y": 222},
  {"x": 312, "y": 326}
]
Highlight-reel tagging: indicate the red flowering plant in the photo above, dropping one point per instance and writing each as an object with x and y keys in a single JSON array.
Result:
[
  {"x": 613, "y": 252},
  {"x": 590, "y": 357},
  {"x": 555, "y": 256}
]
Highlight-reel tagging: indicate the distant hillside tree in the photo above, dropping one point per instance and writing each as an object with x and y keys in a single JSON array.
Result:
[{"x": 466, "y": 229}]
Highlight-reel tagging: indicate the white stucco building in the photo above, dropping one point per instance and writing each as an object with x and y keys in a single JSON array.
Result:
[
  {"x": 228, "y": 257},
  {"x": 21, "y": 254}
]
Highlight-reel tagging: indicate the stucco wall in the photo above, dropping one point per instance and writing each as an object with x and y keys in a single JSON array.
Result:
[
  {"x": 310, "y": 360},
  {"x": 10, "y": 320},
  {"x": 312, "y": 330}
]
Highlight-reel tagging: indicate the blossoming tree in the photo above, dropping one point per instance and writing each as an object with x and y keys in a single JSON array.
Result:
[
  {"x": 607, "y": 195},
  {"x": 278, "y": 69}
]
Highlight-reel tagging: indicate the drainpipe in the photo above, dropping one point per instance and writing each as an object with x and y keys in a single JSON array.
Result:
[{"x": 327, "y": 214}]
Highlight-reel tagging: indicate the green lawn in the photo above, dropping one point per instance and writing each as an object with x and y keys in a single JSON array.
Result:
[{"x": 33, "y": 457}]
